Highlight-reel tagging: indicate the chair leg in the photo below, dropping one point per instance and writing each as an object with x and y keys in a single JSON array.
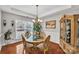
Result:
[
  {"x": 45, "y": 50},
  {"x": 23, "y": 51}
]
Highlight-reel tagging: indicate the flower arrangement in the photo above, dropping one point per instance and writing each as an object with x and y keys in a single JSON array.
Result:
[{"x": 7, "y": 35}]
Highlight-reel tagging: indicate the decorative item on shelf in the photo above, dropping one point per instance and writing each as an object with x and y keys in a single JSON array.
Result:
[
  {"x": 68, "y": 30},
  {"x": 12, "y": 23},
  {"x": 4, "y": 22},
  {"x": 51, "y": 24},
  {"x": 7, "y": 35}
]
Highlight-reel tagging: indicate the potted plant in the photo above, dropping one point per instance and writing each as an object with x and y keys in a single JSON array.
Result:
[{"x": 37, "y": 29}]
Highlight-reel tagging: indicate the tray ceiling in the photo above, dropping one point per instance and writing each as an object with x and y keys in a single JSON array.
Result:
[{"x": 30, "y": 10}]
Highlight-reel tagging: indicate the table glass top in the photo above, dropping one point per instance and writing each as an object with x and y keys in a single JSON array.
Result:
[{"x": 33, "y": 38}]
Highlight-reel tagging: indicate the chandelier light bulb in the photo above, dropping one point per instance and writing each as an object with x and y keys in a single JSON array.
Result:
[
  {"x": 33, "y": 20},
  {"x": 39, "y": 20}
]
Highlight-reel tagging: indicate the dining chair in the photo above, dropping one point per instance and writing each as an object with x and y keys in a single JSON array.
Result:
[
  {"x": 46, "y": 44},
  {"x": 42, "y": 34},
  {"x": 26, "y": 45}
]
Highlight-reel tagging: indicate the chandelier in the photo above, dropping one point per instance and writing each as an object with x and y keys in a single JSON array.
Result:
[{"x": 37, "y": 19}]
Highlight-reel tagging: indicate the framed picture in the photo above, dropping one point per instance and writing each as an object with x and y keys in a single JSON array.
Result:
[{"x": 51, "y": 24}]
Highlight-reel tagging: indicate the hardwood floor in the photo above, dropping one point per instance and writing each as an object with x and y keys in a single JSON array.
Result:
[
  {"x": 10, "y": 49},
  {"x": 17, "y": 48}
]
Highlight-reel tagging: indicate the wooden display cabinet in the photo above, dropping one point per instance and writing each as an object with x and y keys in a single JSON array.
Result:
[{"x": 69, "y": 33}]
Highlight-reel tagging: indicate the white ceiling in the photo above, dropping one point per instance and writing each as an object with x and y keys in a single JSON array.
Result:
[
  {"x": 30, "y": 10},
  {"x": 42, "y": 9}
]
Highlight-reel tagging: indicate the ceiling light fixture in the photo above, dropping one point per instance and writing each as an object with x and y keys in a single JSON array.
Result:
[{"x": 37, "y": 19}]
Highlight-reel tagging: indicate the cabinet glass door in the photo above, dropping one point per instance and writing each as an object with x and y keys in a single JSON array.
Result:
[
  {"x": 78, "y": 33},
  {"x": 68, "y": 31}
]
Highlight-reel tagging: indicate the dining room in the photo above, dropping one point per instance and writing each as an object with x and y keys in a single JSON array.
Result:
[{"x": 35, "y": 29}]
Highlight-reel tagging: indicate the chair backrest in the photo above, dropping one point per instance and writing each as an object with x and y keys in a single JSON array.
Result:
[
  {"x": 42, "y": 34},
  {"x": 47, "y": 38},
  {"x": 46, "y": 42},
  {"x": 24, "y": 41},
  {"x": 26, "y": 44}
]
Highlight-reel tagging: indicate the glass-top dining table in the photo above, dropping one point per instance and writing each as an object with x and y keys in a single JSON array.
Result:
[{"x": 33, "y": 39}]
